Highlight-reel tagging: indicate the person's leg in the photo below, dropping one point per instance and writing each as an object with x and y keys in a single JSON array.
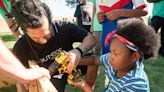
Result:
[
  {"x": 162, "y": 39},
  {"x": 97, "y": 48},
  {"x": 157, "y": 23}
]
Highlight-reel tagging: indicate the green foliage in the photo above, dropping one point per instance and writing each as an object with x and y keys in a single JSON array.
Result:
[
  {"x": 8, "y": 39},
  {"x": 71, "y": 3},
  {"x": 8, "y": 89}
]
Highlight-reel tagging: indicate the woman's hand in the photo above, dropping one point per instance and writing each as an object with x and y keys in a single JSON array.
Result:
[
  {"x": 34, "y": 74},
  {"x": 100, "y": 16}
]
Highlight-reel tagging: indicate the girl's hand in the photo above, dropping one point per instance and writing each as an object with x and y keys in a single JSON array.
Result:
[
  {"x": 80, "y": 84},
  {"x": 100, "y": 16},
  {"x": 113, "y": 15},
  {"x": 83, "y": 85}
]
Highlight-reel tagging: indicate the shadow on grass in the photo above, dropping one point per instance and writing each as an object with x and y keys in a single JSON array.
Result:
[{"x": 8, "y": 89}]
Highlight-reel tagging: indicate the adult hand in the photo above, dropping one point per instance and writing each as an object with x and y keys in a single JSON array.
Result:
[
  {"x": 113, "y": 15},
  {"x": 100, "y": 16},
  {"x": 74, "y": 56},
  {"x": 34, "y": 74}
]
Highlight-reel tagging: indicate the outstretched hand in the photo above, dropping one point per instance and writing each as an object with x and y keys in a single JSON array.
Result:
[
  {"x": 75, "y": 57},
  {"x": 35, "y": 74}
]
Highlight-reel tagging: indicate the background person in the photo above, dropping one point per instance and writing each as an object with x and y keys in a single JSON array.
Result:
[
  {"x": 5, "y": 7},
  {"x": 111, "y": 12},
  {"x": 157, "y": 21},
  {"x": 83, "y": 14},
  {"x": 96, "y": 27}
]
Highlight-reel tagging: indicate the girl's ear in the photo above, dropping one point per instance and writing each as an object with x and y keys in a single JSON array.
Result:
[{"x": 136, "y": 56}]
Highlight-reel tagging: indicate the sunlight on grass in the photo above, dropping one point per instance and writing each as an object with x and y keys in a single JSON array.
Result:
[{"x": 8, "y": 39}]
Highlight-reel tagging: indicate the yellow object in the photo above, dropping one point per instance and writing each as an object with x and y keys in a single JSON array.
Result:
[{"x": 63, "y": 59}]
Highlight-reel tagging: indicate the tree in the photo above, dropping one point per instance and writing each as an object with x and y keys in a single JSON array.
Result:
[{"x": 72, "y": 3}]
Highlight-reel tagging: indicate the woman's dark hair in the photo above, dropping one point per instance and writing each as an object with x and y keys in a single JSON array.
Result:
[
  {"x": 28, "y": 13},
  {"x": 140, "y": 34}
]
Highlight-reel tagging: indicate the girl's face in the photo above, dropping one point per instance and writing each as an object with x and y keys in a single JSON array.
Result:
[{"x": 121, "y": 57}]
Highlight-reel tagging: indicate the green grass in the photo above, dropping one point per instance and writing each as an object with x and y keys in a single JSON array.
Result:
[
  {"x": 8, "y": 89},
  {"x": 154, "y": 69},
  {"x": 8, "y": 39}
]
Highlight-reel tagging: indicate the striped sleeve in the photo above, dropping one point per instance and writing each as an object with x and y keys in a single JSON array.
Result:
[
  {"x": 136, "y": 85},
  {"x": 103, "y": 59}
]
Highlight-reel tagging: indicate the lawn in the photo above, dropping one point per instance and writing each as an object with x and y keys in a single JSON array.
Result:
[
  {"x": 154, "y": 69},
  {"x": 8, "y": 38}
]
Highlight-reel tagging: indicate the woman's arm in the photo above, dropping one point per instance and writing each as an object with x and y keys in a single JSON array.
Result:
[
  {"x": 93, "y": 15},
  {"x": 10, "y": 66}
]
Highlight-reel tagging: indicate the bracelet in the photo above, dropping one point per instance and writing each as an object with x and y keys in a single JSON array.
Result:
[{"x": 81, "y": 52}]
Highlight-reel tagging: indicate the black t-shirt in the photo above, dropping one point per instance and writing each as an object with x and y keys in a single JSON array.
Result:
[
  {"x": 65, "y": 35},
  {"x": 82, "y": 13}
]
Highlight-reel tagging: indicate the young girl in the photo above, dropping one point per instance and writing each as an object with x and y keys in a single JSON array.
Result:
[{"x": 130, "y": 44}]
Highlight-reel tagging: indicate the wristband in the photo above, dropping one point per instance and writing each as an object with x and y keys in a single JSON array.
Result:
[{"x": 81, "y": 52}]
